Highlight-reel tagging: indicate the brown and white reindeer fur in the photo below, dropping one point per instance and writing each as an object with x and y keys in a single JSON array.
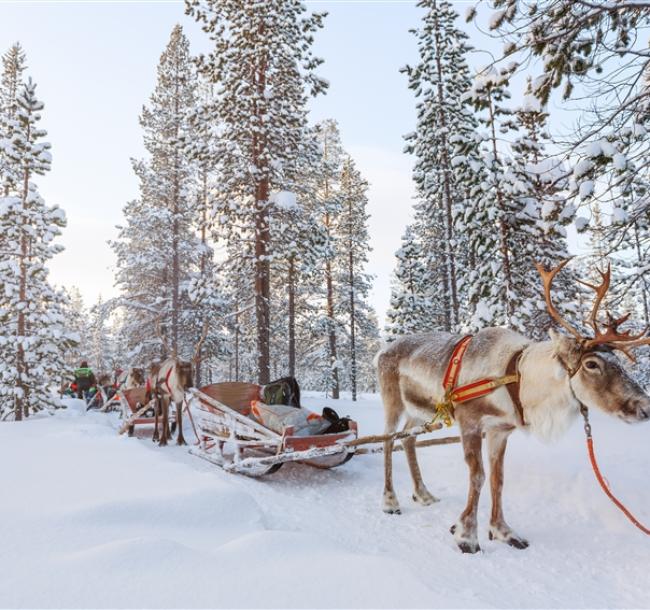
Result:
[
  {"x": 168, "y": 381},
  {"x": 134, "y": 379},
  {"x": 411, "y": 370}
]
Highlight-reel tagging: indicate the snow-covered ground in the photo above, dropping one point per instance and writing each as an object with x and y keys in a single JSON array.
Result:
[{"x": 91, "y": 519}]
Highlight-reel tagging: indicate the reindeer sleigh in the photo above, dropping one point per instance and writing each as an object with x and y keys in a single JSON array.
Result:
[
  {"x": 239, "y": 433},
  {"x": 138, "y": 410}
]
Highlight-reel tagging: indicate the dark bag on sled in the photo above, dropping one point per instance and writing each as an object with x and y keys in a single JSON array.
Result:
[
  {"x": 337, "y": 424},
  {"x": 284, "y": 391}
]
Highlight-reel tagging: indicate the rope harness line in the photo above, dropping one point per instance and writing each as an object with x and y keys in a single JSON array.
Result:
[{"x": 599, "y": 477}]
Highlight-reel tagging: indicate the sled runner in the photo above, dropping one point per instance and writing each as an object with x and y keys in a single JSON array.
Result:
[{"x": 240, "y": 433}]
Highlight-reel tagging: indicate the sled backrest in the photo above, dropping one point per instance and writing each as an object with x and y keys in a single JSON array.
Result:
[
  {"x": 234, "y": 394},
  {"x": 135, "y": 396}
]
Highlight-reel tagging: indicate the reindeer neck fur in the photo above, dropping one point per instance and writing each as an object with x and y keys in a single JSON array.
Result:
[{"x": 545, "y": 392}]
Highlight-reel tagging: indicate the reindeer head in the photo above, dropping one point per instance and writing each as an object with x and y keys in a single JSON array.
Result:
[
  {"x": 185, "y": 374},
  {"x": 135, "y": 378},
  {"x": 596, "y": 375}
]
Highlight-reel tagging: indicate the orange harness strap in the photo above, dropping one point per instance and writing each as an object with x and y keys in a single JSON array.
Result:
[
  {"x": 476, "y": 389},
  {"x": 601, "y": 479}
]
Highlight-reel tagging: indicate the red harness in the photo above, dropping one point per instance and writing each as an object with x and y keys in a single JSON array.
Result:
[
  {"x": 476, "y": 389},
  {"x": 147, "y": 385}
]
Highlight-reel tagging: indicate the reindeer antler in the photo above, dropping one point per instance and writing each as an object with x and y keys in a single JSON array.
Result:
[
  {"x": 547, "y": 278},
  {"x": 160, "y": 336},
  {"x": 601, "y": 291},
  {"x": 197, "y": 349},
  {"x": 622, "y": 341},
  {"x": 611, "y": 336}
]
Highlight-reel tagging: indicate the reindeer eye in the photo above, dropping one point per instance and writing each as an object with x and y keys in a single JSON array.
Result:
[{"x": 590, "y": 364}]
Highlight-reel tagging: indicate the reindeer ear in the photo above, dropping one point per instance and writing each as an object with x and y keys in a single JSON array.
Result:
[{"x": 565, "y": 348}]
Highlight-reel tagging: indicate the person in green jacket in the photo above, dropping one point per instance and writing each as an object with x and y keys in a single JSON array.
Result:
[{"x": 84, "y": 378}]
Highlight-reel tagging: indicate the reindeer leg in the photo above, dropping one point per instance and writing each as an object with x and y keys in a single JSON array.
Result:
[
  {"x": 165, "y": 421},
  {"x": 420, "y": 492},
  {"x": 156, "y": 410},
  {"x": 464, "y": 530},
  {"x": 393, "y": 407},
  {"x": 499, "y": 529},
  {"x": 179, "y": 424}
]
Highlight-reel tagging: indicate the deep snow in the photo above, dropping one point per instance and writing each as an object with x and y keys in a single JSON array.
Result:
[{"x": 91, "y": 519}]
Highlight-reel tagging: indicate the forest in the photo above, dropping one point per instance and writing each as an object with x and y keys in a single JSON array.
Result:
[{"x": 249, "y": 235}]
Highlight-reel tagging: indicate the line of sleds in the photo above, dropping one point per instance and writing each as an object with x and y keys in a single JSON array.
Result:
[{"x": 253, "y": 430}]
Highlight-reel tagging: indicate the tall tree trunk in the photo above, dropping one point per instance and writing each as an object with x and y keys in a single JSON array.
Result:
[
  {"x": 262, "y": 283},
  {"x": 262, "y": 234},
  {"x": 175, "y": 230},
  {"x": 446, "y": 196},
  {"x": 21, "y": 406},
  {"x": 353, "y": 345},
  {"x": 236, "y": 344},
  {"x": 292, "y": 317},
  {"x": 204, "y": 256},
  {"x": 503, "y": 224},
  {"x": 331, "y": 319}
]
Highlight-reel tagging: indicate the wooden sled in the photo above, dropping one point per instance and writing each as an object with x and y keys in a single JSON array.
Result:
[
  {"x": 102, "y": 403},
  {"x": 229, "y": 438},
  {"x": 134, "y": 410}
]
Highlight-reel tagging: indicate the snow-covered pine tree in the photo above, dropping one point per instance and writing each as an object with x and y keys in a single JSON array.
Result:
[
  {"x": 487, "y": 219},
  {"x": 411, "y": 308},
  {"x": 354, "y": 248},
  {"x": 535, "y": 188},
  {"x": 13, "y": 66},
  {"x": 299, "y": 245},
  {"x": 100, "y": 349},
  {"x": 77, "y": 322},
  {"x": 445, "y": 127},
  {"x": 157, "y": 249},
  {"x": 594, "y": 52},
  {"x": 263, "y": 67},
  {"x": 33, "y": 336},
  {"x": 328, "y": 205}
]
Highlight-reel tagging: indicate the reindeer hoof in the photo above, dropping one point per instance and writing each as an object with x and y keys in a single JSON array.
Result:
[
  {"x": 465, "y": 544},
  {"x": 181, "y": 441},
  {"x": 469, "y": 547},
  {"x": 509, "y": 538},
  {"x": 518, "y": 543},
  {"x": 390, "y": 504},
  {"x": 424, "y": 498}
]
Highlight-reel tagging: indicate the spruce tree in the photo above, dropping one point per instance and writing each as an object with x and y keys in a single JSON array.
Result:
[
  {"x": 444, "y": 127},
  {"x": 157, "y": 249},
  {"x": 13, "y": 66},
  {"x": 263, "y": 67},
  {"x": 535, "y": 191},
  {"x": 33, "y": 336},
  {"x": 488, "y": 218},
  {"x": 411, "y": 307},
  {"x": 354, "y": 239}
]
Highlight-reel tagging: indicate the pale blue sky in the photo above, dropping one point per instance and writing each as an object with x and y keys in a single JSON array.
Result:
[{"x": 95, "y": 65}]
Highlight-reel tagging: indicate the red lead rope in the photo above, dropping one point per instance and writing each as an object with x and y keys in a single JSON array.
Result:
[{"x": 601, "y": 479}]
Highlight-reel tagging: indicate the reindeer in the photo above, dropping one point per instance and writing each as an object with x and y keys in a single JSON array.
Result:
[
  {"x": 134, "y": 379},
  {"x": 167, "y": 382},
  {"x": 545, "y": 386}
]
